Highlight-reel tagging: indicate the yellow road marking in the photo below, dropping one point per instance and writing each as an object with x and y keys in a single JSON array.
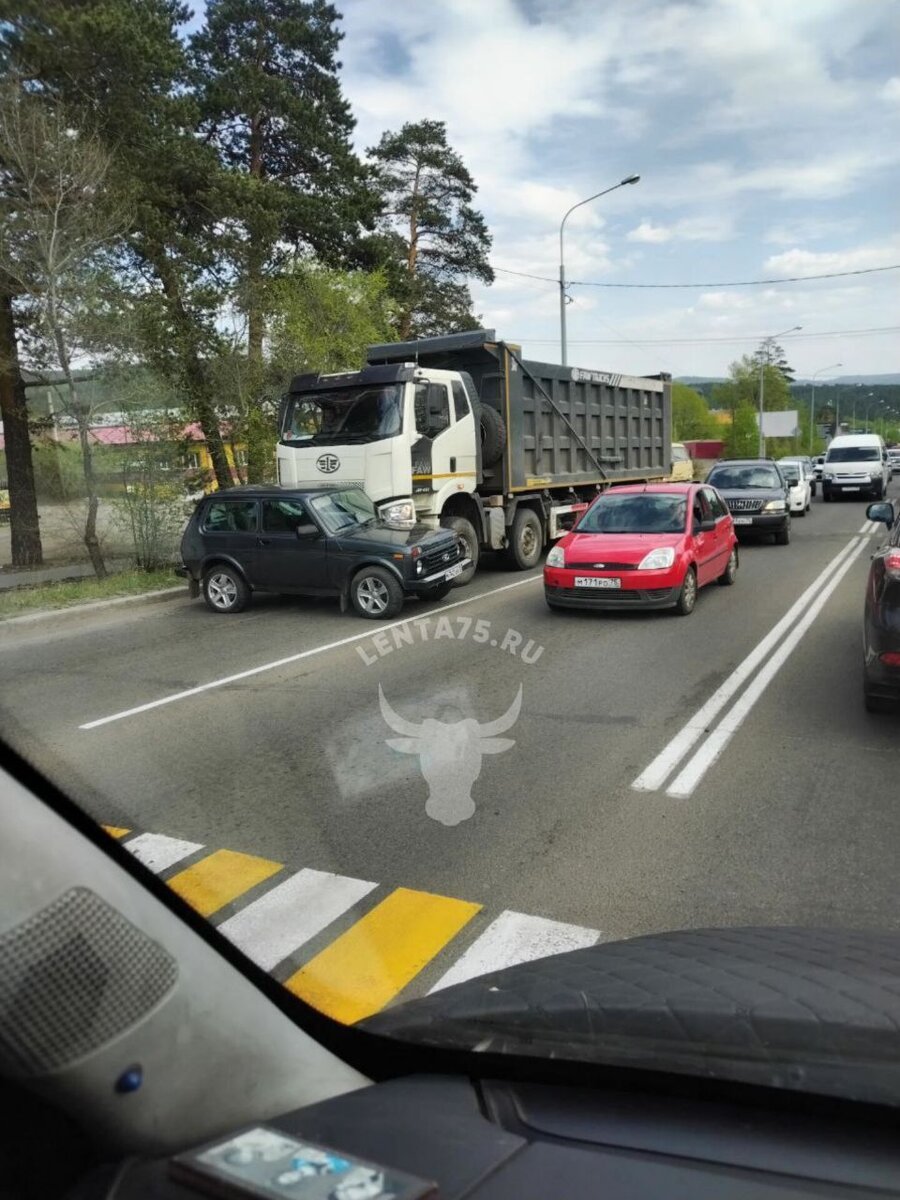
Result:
[
  {"x": 115, "y": 831},
  {"x": 376, "y": 958},
  {"x": 219, "y": 878}
]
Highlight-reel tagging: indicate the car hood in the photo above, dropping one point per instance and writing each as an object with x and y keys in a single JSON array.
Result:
[
  {"x": 813, "y": 1010},
  {"x": 379, "y": 536},
  {"x": 616, "y": 547}
]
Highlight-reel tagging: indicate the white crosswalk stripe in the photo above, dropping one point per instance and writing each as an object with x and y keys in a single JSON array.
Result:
[
  {"x": 516, "y": 938},
  {"x": 159, "y": 852},
  {"x": 282, "y": 920}
]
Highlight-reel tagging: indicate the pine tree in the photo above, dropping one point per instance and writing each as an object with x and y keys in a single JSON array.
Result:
[
  {"x": 265, "y": 77},
  {"x": 433, "y": 240},
  {"x": 772, "y": 354}
]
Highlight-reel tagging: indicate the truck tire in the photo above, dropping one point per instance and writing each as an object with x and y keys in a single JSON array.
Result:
[
  {"x": 526, "y": 543},
  {"x": 493, "y": 435},
  {"x": 465, "y": 531}
]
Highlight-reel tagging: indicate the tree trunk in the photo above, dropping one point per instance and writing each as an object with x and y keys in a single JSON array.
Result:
[
  {"x": 24, "y": 527},
  {"x": 91, "y": 540},
  {"x": 412, "y": 256},
  {"x": 192, "y": 369},
  {"x": 255, "y": 432}
]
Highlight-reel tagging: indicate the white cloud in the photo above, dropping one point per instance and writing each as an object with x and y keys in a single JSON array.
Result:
[
  {"x": 689, "y": 229},
  {"x": 750, "y": 121},
  {"x": 857, "y": 258},
  {"x": 648, "y": 232}
]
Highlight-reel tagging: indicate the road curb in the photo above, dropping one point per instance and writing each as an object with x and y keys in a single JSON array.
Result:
[{"x": 93, "y": 605}]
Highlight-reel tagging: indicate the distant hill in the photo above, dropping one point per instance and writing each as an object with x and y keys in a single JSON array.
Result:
[{"x": 872, "y": 379}]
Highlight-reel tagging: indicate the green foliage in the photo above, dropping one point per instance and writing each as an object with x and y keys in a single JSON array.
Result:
[
  {"x": 742, "y": 439},
  {"x": 432, "y": 238},
  {"x": 771, "y": 354},
  {"x": 691, "y": 417},
  {"x": 324, "y": 320}
]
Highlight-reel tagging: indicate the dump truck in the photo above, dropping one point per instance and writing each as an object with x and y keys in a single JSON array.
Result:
[{"x": 461, "y": 431}]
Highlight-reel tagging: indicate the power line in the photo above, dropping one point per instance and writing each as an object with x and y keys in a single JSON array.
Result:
[
  {"x": 676, "y": 341},
  {"x": 719, "y": 284}
]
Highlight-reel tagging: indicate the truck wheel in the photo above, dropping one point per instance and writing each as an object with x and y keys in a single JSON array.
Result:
[
  {"x": 493, "y": 435},
  {"x": 526, "y": 540},
  {"x": 465, "y": 531},
  {"x": 224, "y": 589},
  {"x": 375, "y": 593}
]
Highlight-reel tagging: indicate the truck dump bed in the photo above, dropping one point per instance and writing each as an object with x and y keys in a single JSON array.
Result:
[{"x": 566, "y": 427}]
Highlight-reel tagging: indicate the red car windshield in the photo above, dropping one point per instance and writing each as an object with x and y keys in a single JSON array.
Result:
[{"x": 641, "y": 513}]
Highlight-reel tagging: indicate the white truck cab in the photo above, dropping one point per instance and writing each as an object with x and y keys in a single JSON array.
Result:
[
  {"x": 855, "y": 463},
  {"x": 380, "y": 430}
]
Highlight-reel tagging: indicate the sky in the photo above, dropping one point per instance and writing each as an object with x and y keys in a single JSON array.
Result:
[{"x": 766, "y": 134}]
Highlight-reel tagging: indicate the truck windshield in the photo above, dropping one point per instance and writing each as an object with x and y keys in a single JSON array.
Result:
[
  {"x": 356, "y": 414},
  {"x": 635, "y": 514}
]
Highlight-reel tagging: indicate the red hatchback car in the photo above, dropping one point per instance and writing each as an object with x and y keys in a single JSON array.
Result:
[{"x": 644, "y": 546}]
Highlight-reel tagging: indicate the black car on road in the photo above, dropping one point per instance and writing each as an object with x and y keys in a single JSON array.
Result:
[
  {"x": 757, "y": 495},
  {"x": 324, "y": 542},
  {"x": 881, "y": 622}
]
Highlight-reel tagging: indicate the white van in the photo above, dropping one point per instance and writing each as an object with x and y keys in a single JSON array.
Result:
[{"x": 855, "y": 463}]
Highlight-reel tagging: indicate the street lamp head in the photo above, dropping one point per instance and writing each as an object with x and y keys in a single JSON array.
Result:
[{"x": 630, "y": 179}]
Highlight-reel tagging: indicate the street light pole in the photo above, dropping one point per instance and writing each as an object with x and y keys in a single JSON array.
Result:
[
  {"x": 563, "y": 349},
  {"x": 812, "y": 401},
  {"x": 763, "y": 363}
]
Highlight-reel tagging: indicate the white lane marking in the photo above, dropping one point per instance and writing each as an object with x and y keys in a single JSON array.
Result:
[
  {"x": 271, "y": 928},
  {"x": 868, "y": 527},
  {"x": 516, "y": 938},
  {"x": 655, "y": 775},
  {"x": 292, "y": 658},
  {"x": 712, "y": 748},
  {"x": 159, "y": 852}
]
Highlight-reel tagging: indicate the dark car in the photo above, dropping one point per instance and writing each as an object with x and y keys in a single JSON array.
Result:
[
  {"x": 881, "y": 622},
  {"x": 757, "y": 495},
  {"x": 324, "y": 542}
]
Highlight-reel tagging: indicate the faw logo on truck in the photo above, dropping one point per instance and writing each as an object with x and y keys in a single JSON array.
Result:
[
  {"x": 580, "y": 376},
  {"x": 328, "y": 463}
]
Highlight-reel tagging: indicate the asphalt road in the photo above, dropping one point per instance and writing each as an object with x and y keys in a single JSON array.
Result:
[{"x": 787, "y": 814}]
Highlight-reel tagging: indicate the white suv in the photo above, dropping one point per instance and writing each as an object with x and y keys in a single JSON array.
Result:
[{"x": 855, "y": 463}]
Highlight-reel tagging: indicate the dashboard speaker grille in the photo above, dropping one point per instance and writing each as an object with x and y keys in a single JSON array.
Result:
[{"x": 73, "y": 976}]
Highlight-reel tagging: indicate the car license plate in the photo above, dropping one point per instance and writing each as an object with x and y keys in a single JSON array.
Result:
[
  {"x": 452, "y": 572},
  {"x": 742, "y": 520},
  {"x": 851, "y": 489},
  {"x": 595, "y": 581}
]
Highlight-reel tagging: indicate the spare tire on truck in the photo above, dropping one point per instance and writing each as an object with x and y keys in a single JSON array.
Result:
[{"x": 493, "y": 435}]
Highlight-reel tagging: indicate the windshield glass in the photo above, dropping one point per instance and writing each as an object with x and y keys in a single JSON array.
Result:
[
  {"x": 738, "y": 478},
  {"x": 791, "y": 474},
  {"x": 500, "y": 636},
  {"x": 341, "y": 511},
  {"x": 354, "y": 415},
  {"x": 853, "y": 454},
  {"x": 646, "y": 513}
]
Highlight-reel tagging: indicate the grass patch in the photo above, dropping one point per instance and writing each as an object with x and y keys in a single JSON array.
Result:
[{"x": 76, "y": 591}]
